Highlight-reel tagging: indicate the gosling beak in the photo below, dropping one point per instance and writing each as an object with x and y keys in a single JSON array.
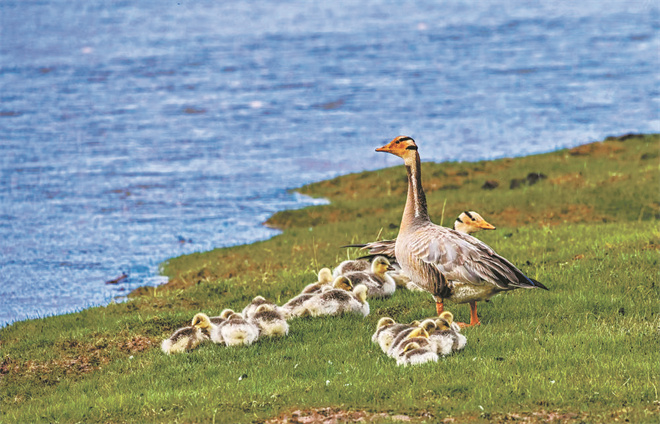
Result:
[{"x": 391, "y": 268}]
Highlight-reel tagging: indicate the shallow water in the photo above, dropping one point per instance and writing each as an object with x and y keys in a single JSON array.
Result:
[{"x": 132, "y": 132}]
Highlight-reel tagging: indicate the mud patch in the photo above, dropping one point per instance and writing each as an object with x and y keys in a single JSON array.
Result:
[
  {"x": 572, "y": 213},
  {"x": 337, "y": 415},
  {"x": 575, "y": 179},
  {"x": 596, "y": 149},
  {"x": 77, "y": 359}
]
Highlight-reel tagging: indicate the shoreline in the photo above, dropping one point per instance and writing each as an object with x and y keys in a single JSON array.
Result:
[
  {"x": 577, "y": 231},
  {"x": 284, "y": 219}
]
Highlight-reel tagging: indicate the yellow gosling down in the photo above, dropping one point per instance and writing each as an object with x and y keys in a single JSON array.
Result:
[
  {"x": 237, "y": 331},
  {"x": 270, "y": 321},
  {"x": 336, "y": 301},
  {"x": 187, "y": 338},
  {"x": 379, "y": 283}
]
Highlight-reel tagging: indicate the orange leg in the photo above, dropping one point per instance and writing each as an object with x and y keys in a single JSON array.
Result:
[
  {"x": 474, "y": 319},
  {"x": 439, "y": 306}
]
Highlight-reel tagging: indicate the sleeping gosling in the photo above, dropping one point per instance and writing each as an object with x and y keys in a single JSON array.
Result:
[
  {"x": 386, "y": 330},
  {"x": 269, "y": 321},
  {"x": 378, "y": 282},
  {"x": 400, "y": 339},
  {"x": 298, "y": 306},
  {"x": 236, "y": 331},
  {"x": 445, "y": 333},
  {"x": 187, "y": 338},
  {"x": 325, "y": 279},
  {"x": 252, "y": 307},
  {"x": 337, "y": 301},
  {"x": 414, "y": 354}
]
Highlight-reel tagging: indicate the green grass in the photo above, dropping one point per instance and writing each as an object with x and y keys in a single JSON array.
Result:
[{"x": 586, "y": 351}]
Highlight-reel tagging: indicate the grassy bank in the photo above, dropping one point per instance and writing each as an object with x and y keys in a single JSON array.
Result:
[{"x": 587, "y": 350}]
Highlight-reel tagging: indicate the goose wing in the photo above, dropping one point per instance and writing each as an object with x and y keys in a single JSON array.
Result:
[
  {"x": 377, "y": 248},
  {"x": 461, "y": 257}
]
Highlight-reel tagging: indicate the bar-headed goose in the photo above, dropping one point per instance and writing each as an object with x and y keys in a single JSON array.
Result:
[{"x": 446, "y": 263}]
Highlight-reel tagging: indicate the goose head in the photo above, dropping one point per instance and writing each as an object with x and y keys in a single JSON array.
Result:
[
  {"x": 381, "y": 265},
  {"x": 402, "y": 146},
  {"x": 471, "y": 222}
]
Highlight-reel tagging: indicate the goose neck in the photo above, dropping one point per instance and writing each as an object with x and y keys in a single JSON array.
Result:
[{"x": 415, "y": 209}]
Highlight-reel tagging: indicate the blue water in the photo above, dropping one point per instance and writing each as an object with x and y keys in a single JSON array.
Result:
[{"x": 135, "y": 131}]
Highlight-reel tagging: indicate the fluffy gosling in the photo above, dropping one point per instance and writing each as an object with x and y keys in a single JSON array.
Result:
[
  {"x": 269, "y": 321},
  {"x": 337, "y": 301},
  {"x": 235, "y": 330},
  {"x": 415, "y": 353},
  {"x": 378, "y": 282},
  {"x": 187, "y": 338}
]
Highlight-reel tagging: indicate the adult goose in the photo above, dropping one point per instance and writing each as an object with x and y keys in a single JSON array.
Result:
[{"x": 446, "y": 263}]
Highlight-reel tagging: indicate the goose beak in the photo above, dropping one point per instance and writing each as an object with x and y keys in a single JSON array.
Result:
[
  {"x": 384, "y": 149},
  {"x": 486, "y": 226},
  {"x": 391, "y": 268}
]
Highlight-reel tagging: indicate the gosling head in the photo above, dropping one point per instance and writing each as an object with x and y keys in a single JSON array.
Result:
[
  {"x": 471, "y": 222},
  {"x": 403, "y": 147},
  {"x": 429, "y": 325},
  {"x": 264, "y": 307},
  {"x": 443, "y": 322},
  {"x": 225, "y": 314},
  {"x": 384, "y": 322},
  {"x": 418, "y": 332},
  {"x": 360, "y": 292},
  {"x": 381, "y": 265},
  {"x": 447, "y": 316},
  {"x": 342, "y": 283},
  {"x": 201, "y": 321},
  {"x": 325, "y": 276},
  {"x": 411, "y": 346}
]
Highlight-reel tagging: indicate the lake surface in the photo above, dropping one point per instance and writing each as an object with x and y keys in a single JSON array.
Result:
[{"x": 135, "y": 131}]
